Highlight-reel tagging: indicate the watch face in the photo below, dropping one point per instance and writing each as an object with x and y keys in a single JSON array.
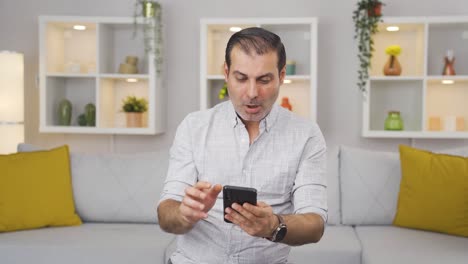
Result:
[{"x": 281, "y": 233}]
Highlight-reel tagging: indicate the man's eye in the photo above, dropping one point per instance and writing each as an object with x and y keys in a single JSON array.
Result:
[{"x": 264, "y": 81}]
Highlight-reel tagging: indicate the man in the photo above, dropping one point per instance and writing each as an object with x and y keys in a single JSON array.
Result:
[{"x": 247, "y": 141}]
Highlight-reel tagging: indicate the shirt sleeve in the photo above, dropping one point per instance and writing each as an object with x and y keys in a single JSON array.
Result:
[
  {"x": 182, "y": 171},
  {"x": 310, "y": 186}
]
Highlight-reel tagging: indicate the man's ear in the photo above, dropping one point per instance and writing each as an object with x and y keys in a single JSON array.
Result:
[
  {"x": 226, "y": 72},
  {"x": 282, "y": 75}
]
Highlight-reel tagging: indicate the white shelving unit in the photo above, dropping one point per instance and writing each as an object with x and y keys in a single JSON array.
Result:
[
  {"x": 299, "y": 36},
  {"x": 96, "y": 53},
  {"x": 418, "y": 93}
]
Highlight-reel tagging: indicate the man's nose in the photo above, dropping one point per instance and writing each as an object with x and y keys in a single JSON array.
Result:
[{"x": 252, "y": 90}]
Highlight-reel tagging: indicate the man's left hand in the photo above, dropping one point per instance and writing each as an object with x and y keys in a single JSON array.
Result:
[{"x": 256, "y": 221}]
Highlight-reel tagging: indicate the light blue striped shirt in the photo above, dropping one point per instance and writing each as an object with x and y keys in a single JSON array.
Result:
[{"x": 286, "y": 163}]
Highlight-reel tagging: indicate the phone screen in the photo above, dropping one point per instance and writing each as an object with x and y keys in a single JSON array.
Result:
[{"x": 239, "y": 195}]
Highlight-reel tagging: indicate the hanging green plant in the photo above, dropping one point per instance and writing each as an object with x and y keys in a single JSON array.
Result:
[
  {"x": 150, "y": 12},
  {"x": 366, "y": 18}
]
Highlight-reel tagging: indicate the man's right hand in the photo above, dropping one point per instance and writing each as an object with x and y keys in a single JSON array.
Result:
[{"x": 198, "y": 200}]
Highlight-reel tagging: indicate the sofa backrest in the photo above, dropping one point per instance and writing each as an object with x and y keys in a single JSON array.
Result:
[
  {"x": 116, "y": 187},
  {"x": 369, "y": 184}
]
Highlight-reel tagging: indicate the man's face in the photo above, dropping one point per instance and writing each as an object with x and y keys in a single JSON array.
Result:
[{"x": 253, "y": 83}]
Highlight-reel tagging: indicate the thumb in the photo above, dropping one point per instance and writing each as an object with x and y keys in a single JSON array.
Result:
[{"x": 215, "y": 190}]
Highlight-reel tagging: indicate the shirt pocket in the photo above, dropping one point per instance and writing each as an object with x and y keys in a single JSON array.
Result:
[{"x": 275, "y": 179}]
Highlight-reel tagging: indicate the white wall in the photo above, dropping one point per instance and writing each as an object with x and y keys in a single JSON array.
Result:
[{"x": 339, "y": 98}]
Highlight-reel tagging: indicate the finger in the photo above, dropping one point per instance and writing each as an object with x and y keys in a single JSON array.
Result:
[
  {"x": 202, "y": 185},
  {"x": 242, "y": 210},
  {"x": 213, "y": 192},
  {"x": 195, "y": 193},
  {"x": 193, "y": 203},
  {"x": 258, "y": 211}
]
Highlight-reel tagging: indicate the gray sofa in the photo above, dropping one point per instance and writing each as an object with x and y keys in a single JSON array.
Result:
[{"x": 115, "y": 196}]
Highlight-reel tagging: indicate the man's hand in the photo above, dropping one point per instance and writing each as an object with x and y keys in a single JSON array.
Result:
[
  {"x": 256, "y": 221},
  {"x": 198, "y": 200}
]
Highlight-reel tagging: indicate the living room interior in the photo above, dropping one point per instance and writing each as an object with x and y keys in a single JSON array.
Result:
[{"x": 359, "y": 143}]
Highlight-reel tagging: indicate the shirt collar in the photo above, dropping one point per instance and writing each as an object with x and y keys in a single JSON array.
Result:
[{"x": 266, "y": 122}]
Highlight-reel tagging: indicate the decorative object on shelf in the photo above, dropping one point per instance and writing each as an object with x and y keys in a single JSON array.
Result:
[
  {"x": 151, "y": 13},
  {"x": 394, "y": 121},
  {"x": 91, "y": 67},
  {"x": 285, "y": 103},
  {"x": 449, "y": 62},
  {"x": 223, "y": 92},
  {"x": 130, "y": 66},
  {"x": 90, "y": 114},
  {"x": 460, "y": 123},
  {"x": 290, "y": 67},
  {"x": 72, "y": 67},
  {"x": 134, "y": 108},
  {"x": 392, "y": 66},
  {"x": 435, "y": 123},
  {"x": 81, "y": 120},
  {"x": 366, "y": 17},
  {"x": 64, "y": 112}
]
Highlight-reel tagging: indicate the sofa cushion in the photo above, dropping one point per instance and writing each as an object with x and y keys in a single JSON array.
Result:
[
  {"x": 36, "y": 190},
  {"x": 117, "y": 187},
  {"x": 339, "y": 245},
  {"x": 88, "y": 243},
  {"x": 369, "y": 183},
  {"x": 389, "y": 244},
  {"x": 433, "y": 183}
]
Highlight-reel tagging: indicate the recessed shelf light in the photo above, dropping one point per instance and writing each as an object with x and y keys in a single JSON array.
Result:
[
  {"x": 448, "y": 81},
  {"x": 79, "y": 27},
  {"x": 235, "y": 29},
  {"x": 393, "y": 28},
  {"x": 132, "y": 80},
  {"x": 287, "y": 81}
]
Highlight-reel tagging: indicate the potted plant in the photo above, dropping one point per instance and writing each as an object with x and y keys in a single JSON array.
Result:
[
  {"x": 366, "y": 18},
  {"x": 134, "y": 108},
  {"x": 150, "y": 12}
]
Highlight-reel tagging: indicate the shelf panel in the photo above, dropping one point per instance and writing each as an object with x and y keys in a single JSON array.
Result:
[
  {"x": 396, "y": 78},
  {"x": 447, "y": 102},
  {"x": 111, "y": 93},
  {"x": 70, "y": 50},
  {"x": 404, "y": 96},
  {"x": 72, "y": 75},
  {"x": 125, "y": 76},
  {"x": 411, "y": 38},
  {"x": 447, "y": 36},
  {"x": 413, "y": 134},
  {"x": 116, "y": 42},
  {"x": 78, "y": 90},
  {"x": 94, "y": 130}
]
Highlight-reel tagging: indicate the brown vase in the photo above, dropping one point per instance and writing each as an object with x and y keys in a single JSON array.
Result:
[
  {"x": 285, "y": 103},
  {"x": 134, "y": 119},
  {"x": 392, "y": 67}
]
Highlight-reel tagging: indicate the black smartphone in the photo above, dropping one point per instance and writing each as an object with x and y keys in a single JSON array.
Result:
[{"x": 239, "y": 195}]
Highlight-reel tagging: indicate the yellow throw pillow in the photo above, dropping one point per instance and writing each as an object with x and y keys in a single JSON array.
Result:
[
  {"x": 433, "y": 192},
  {"x": 36, "y": 190}
]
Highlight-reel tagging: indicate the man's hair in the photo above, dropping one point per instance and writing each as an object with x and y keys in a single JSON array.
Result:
[{"x": 258, "y": 39}]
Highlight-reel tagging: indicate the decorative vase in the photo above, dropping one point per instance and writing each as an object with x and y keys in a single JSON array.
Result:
[
  {"x": 149, "y": 8},
  {"x": 65, "y": 112},
  {"x": 449, "y": 69},
  {"x": 90, "y": 114},
  {"x": 285, "y": 103},
  {"x": 392, "y": 67},
  {"x": 393, "y": 121},
  {"x": 134, "y": 119},
  {"x": 290, "y": 67}
]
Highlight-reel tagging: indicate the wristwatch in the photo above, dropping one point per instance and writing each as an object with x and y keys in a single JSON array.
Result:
[{"x": 280, "y": 232}]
